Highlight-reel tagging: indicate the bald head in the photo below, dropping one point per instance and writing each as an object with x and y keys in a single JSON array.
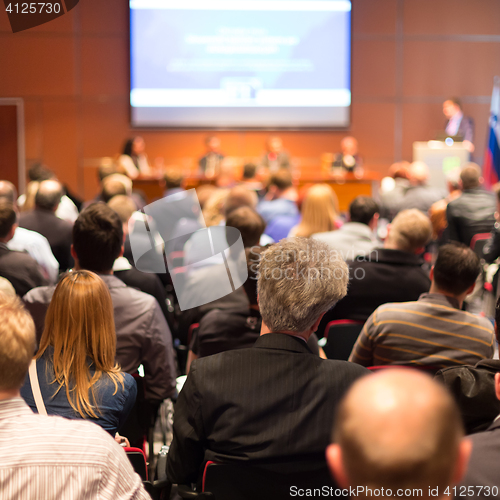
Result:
[
  {"x": 8, "y": 191},
  {"x": 419, "y": 173},
  {"x": 398, "y": 429},
  {"x": 49, "y": 195}
]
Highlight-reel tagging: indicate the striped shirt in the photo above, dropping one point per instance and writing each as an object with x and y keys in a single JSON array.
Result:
[
  {"x": 432, "y": 331},
  {"x": 51, "y": 458}
]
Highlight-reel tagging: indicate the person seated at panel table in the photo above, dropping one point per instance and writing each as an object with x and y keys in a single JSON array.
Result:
[
  {"x": 134, "y": 160},
  {"x": 210, "y": 163},
  {"x": 348, "y": 159},
  {"x": 275, "y": 157}
]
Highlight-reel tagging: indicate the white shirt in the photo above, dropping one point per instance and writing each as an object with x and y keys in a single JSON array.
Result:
[{"x": 52, "y": 458}]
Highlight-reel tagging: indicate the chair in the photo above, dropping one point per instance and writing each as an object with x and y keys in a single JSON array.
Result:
[
  {"x": 341, "y": 335},
  {"x": 270, "y": 481},
  {"x": 160, "y": 487},
  {"x": 478, "y": 242}
]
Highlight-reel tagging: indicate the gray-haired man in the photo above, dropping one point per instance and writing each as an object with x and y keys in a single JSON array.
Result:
[{"x": 273, "y": 400}]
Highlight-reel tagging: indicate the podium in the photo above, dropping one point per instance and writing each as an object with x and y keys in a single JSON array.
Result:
[{"x": 441, "y": 157}]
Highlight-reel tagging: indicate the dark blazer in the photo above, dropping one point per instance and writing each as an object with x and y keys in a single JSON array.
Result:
[
  {"x": 20, "y": 269},
  {"x": 275, "y": 400},
  {"x": 57, "y": 231},
  {"x": 473, "y": 212},
  {"x": 483, "y": 464},
  {"x": 383, "y": 276},
  {"x": 465, "y": 129}
]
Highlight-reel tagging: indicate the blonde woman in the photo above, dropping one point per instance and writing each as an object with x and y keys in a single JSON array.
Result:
[
  {"x": 76, "y": 368},
  {"x": 320, "y": 212}
]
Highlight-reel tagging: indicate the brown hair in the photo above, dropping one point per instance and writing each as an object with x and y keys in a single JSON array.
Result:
[
  {"x": 80, "y": 325},
  {"x": 17, "y": 346},
  {"x": 410, "y": 230},
  {"x": 320, "y": 210}
]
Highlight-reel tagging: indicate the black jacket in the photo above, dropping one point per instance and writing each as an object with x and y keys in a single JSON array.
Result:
[
  {"x": 58, "y": 232},
  {"x": 383, "y": 276},
  {"x": 471, "y": 213},
  {"x": 20, "y": 269},
  {"x": 275, "y": 400}
]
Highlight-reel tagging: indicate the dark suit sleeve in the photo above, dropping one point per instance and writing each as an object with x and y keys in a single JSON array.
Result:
[
  {"x": 468, "y": 129},
  {"x": 491, "y": 250},
  {"x": 453, "y": 233},
  {"x": 187, "y": 450}
]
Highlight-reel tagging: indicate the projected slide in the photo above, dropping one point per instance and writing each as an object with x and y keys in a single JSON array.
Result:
[{"x": 240, "y": 63}]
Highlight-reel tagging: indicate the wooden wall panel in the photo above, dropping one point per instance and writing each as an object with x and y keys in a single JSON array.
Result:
[{"x": 408, "y": 56}]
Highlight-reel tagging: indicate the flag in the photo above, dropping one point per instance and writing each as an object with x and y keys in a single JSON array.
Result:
[{"x": 491, "y": 163}]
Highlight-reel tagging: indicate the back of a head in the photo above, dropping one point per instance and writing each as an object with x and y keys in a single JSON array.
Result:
[
  {"x": 400, "y": 170},
  {"x": 249, "y": 223},
  {"x": 49, "y": 195},
  {"x": 362, "y": 209},
  {"x": 419, "y": 172},
  {"x": 7, "y": 217},
  {"x": 299, "y": 279},
  {"x": 470, "y": 176},
  {"x": 319, "y": 211},
  {"x": 124, "y": 206},
  {"x": 282, "y": 179},
  {"x": 240, "y": 196},
  {"x": 17, "y": 346},
  {"x": 106, "y": 168},
  {"x": 249, "y": 171},
  {"x": 115, "y": 184},
  {"x": 173, "y": 177},
  {"x": 456, "y": 268},
  {"x": 213, "y": 208},
  {"x": 410, "y": 230},
  {"x": 8, "y": 191},
  {"x": 398, "y": 429},
  {"x": 97, "y": 238},
  {"x": 79, "y": 325},
  {"x": 39, "y": 172}
]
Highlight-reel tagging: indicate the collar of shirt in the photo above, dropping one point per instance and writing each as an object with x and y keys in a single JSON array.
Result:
[{"x": 439, "y": 298}]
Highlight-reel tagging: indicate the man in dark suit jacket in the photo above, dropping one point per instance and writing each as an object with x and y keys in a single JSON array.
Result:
[
  {"x": 390, "y": 274},
  {"x": 43, "y": 220},
  {"x": 18, "y": 267},
  {"x": 458, "y": 124},
  {"x": 483, "y": 464},
  {"x": 272, "y": 401}
]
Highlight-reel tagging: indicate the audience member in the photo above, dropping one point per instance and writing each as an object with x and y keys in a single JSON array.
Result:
[
  {"x": 419, "y": 195},
  {"x": 225, "y": 329},
  {"x": 393, "y": 189},
  {"x": 77, "y": 375},
  {"x": 474, "y": 388},
  {"x": 437, "y": 212},
  {"x": 19, "y": 268},
  {"x": 356, "y": 237},
  {"x": 51, "y": 457},
  {"x": 210, "y": 163},
  {"x": 474, "y": 211},
  {"x": 319, "y": 213},
  {"x": 491, "y": 251},
  {"x": 393, "y": 273},
  {"x": 7, "y": 288},
  {"x": 433, "y": 331},
  {"x": 69, "y": 205},
  {"x": 276, "y": 157},
  {"x": 458, "y": 124},
  {"x": 44, "y": 221},
  {"x": 281, "y": 197},
  {"x": 398, "y": 433},
  {"x": 142, "y": 334},
  {"x": 148, "y": 283},
  {"x": 174, "y": 181},
  {"x": 250, "y": 179},
  {"x": 31, "y": 242},
  {"x": 247, "y": 405},
  {"x": 134, "y": 161}
]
